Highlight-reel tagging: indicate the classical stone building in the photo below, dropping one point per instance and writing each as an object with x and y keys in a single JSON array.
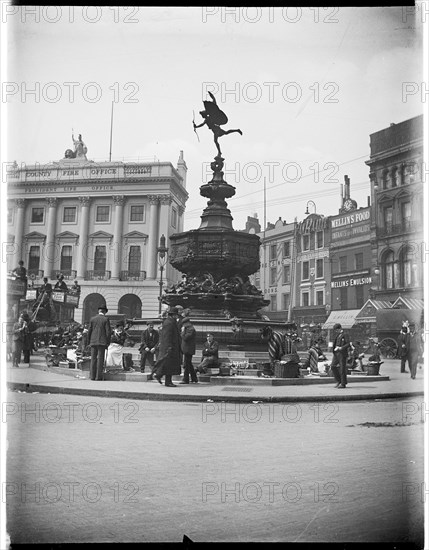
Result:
[
  {"x": 397, "y": 243},
  {"x": 99, "y": 223}
]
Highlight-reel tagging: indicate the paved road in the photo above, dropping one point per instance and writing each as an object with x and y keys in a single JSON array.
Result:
[{"x": 90, "y": 469}]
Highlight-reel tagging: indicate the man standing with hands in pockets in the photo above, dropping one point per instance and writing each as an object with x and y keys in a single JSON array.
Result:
[
  {"x": 339, "y": 362},
  {"x": 99, "y": 334}
]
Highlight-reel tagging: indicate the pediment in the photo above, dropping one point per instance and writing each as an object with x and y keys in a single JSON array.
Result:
[
  {"x": 67, "y": 236},
  {"x": 136, "y": 235},
  {"x": 35, "y": 236},
  {"x": 101, "y": 235}
]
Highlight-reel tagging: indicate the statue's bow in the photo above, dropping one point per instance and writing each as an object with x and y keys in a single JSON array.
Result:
[{"x": 193, "y": 124}]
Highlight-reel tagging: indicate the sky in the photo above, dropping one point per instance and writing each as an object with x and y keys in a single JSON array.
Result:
[{"x": 307, "y": 87}]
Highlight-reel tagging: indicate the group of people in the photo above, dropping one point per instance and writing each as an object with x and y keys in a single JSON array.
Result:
[
  {"x": 22, "y": 339},
  {"x": 164, "y": 350},
  {"x": 174, "y": 343},
  {"x": 409, "y": 348}
]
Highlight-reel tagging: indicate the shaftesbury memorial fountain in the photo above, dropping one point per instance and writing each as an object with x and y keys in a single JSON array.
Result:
[{"x": 216, "y": 260}]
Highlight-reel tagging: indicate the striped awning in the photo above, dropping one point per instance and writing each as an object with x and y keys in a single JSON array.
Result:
[
  {"x": 346, "y": 318},
  {"x": 409, "y": 303}
]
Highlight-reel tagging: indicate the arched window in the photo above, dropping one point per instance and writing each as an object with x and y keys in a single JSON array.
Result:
[
  {"x": 66, "y": 260},
  {"x": 387, "y": 266},
  {"x": 407, "y": 274},
  {"x": 387, "y": 180}
]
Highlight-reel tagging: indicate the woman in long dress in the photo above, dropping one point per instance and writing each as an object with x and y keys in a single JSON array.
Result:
[{"x": 115, "y": 349}]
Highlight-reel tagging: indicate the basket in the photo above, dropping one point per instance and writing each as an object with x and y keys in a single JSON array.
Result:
[
  {"x": 286, "y": 370},
  {"x": 373, "y": 370}
]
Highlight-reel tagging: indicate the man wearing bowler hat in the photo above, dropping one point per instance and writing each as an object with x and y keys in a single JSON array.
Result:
[
  {"x": 339, "y": 362},
  {"x": 169, "y": 355},
  {"x": 99, "y": 332}
]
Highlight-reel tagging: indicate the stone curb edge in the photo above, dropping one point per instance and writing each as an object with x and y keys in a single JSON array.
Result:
[{"x": 30, "y": 388}]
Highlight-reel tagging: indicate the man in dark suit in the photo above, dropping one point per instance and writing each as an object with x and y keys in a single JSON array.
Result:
[
  {"x": 404, "y": 347},
  {"x": 339, "y": 362},
  {"x": 99, "y": 333},
  {"x": 148, "y": 348},
  {"x": 189, "y": 338},
  {"x": 169, "y": 349}
]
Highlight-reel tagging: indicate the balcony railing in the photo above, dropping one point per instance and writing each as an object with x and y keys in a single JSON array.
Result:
[
  {"x": 396, "y": 229},
  {"x": 69, "y": 274},
  {"x": 133, "y": 275},
  {"x": 97, "y": 275}
]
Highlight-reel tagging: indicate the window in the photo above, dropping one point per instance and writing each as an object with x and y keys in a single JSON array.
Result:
[
  {"x": 286, "y": 274},
  {"x": 319, "y": 298},
  {"x": 406, "y": 269},
  {"x": 319, "y": 268},
  {"x": 359, "y": 260},
  {"x": 406, "y": 214},
  {"x": 37, "y": 215},
  {"x": 286, "y": 249},
  {"x": 273, "y": 302},
  {"x": 137, "y": 213},
  {"x": 69, "y": 214},
  {"x": 273, "y": 251},
  {"x": 387, "y": 180},
  {"x": 359, "y": 296},
  {"x": 388, "y": 217},
  {"x": 305, "y": 299},
  {"x": 34, "y": 259},
  {"x": 285, "y": 301},
  {"x": 305, "y": 270},
  {"x": 273, "y": 276},
  {"x": 100, "y": 260},
  {"x": 66, "y": 259},
  {"x": 388, "y": 271},
  {"x": 10, "y": 215},
  {"x": 134, "y": 260},
  {"x": 173, "y": 218},
  {"x": 103, "y": 214},
  {"x": 343, "y": 264},
  {"x": 258, "y": 279},
  {"x": 306, "y": 242},
  {"x": 343, "y": 298},
  {"x": 319, "y": 239},
  {"x": 395, "y": 177}
]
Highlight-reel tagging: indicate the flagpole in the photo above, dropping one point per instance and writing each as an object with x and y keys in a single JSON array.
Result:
[
  {"x": 111, "y": 134},
  {"x": 265, "y": 225}
]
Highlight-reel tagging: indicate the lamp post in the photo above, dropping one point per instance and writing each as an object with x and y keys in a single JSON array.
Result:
[
  {"x": 313, "y": 204},
  {"x": 162, "y": 252}
]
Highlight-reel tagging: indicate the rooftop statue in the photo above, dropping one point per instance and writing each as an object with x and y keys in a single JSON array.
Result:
[
  {"x": 214, "y": 118},
  {"x": 80, "y": 148}
]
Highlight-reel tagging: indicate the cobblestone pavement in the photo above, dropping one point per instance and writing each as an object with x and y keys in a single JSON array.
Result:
[{"x": 91, "y": 469}]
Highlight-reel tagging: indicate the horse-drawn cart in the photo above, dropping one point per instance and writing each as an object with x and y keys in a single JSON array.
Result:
[{"x": 389, "y": 324}]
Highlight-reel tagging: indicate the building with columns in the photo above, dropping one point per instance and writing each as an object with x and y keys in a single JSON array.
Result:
[{"x": 99, "y": 224}]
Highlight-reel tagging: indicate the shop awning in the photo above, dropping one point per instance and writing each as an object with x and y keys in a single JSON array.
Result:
[{"x": 346, "y": 318}]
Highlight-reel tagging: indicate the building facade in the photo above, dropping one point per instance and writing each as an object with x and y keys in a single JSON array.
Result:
[
  {"x": 99, "y": 224},
  {"x": 396, "y": 175}
]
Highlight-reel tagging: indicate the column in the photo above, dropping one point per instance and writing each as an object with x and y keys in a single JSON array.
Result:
[
  {"x": 151, "y": 258},
  {"x": 18, "y": 251},
  {"x": 116, "y": 258},
  {"x": 181, "y": 220},
  {"x": 50, "y": 252},
  {"x": 164, "y": 226},
  {"x": 83, "y": 236}
]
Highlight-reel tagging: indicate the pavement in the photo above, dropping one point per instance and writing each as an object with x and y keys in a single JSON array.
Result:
[{"x": 391, "y": 384}]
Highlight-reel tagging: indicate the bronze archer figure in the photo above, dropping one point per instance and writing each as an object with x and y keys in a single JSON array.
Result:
[{"x": 214, "y": 118}]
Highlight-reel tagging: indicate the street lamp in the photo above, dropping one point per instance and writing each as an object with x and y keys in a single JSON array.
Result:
[
  {"x": 313, "y": 204},
  {"x": 162, "y": 252}
]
